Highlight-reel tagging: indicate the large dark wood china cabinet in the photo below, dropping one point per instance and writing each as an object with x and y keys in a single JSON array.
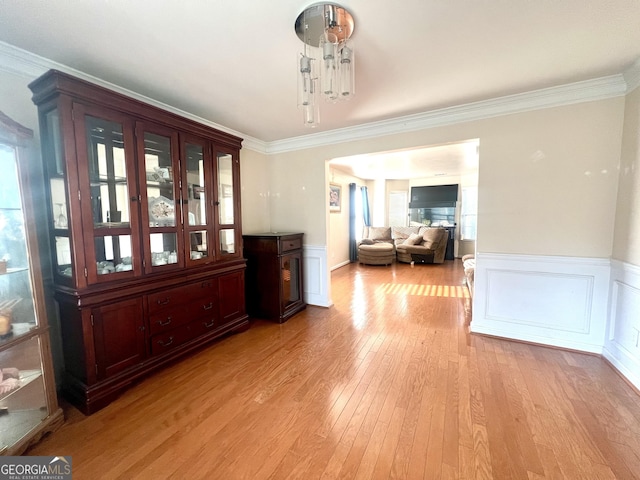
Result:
[{"x": 144, "y": 223}]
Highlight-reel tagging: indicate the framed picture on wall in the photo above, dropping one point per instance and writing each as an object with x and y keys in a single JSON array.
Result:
[
  {"x": 197, "y": 192},
  {"x": 335, "y": 197}
]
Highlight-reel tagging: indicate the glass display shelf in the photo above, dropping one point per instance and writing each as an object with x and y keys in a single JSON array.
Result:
[
  {"x": 111, "y": 225},
  {"x": 12, "y": 380},
  {"x": 17, "y": 424},
  {"x": 99, "y": 180},
  {"x": 14, "y": 331},
  {"x": 23, "y": 401},
  {"x": 10, "y": 270}
]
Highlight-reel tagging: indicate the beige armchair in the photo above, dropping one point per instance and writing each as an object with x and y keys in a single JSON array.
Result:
[
  {"x": 426, "y": 245},
  {"x": 376, "y": 246}
]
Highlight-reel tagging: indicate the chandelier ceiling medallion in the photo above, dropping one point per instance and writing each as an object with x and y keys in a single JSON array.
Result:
[{"x": 326, "y": 67}]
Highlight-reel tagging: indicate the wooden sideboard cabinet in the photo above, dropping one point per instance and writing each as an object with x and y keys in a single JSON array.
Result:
[
  {"x": 144, "y": 224},
  {"x": 274, "y": 287}
]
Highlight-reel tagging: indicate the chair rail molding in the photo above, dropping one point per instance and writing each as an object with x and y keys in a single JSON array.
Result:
[{"x": 550, "y": 300}]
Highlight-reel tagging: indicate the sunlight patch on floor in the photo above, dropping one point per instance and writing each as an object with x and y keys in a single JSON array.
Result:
[
  {"x": 359, "y": 305},
  {"x": 451, "y": 291}
]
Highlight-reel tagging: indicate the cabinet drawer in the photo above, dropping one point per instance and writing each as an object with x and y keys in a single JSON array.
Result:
[
  {"x": 168, "y": 318},
  {"x": 181, "y": 295},
  {"x": 204, "y": 307},
  {"x": 202, "y": 326},
  {"x": 168, "y": 298},
  {"x": 287, "y": 245},
  {"x": 167, "y": 341}
]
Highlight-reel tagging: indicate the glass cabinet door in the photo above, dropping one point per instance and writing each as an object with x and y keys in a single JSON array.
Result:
[
  {"x": 17, "y": 311},
  {"x": 107, "y": 142},
  {"x": 227, "y": 204},
  {"x": 197, "y": 200},
  {"x": 27, "y": 391},
  {"x": 56, "y": 173},
  {"x": 290, "y": 271},
  {"x": 23, "y": 398},
  {"x": 159, "y": 172}
]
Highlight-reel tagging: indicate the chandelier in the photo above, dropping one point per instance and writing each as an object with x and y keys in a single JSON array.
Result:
[{"x": 325, "y": 66}]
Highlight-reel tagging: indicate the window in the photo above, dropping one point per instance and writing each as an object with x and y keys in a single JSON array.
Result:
[
  {"x": 469, "y": 213},
  {"x": 359, "y": 214},
  {"x": 398, "y": 209}
]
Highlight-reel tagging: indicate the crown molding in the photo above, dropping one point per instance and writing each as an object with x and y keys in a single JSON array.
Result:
[
  {"x": 30, "y": 66},
  {"x": 578, "y": 92},
  {"x": 22, "y": 63},
  {"x": 632, "y": 76}
]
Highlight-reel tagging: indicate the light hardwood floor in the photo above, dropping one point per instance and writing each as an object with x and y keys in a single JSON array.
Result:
[{"x": 388, "y": 383}]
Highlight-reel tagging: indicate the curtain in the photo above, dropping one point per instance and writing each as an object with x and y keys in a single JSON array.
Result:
[
  {"x": 353, "y": 247},
  {"x": 366, "y": 216}
]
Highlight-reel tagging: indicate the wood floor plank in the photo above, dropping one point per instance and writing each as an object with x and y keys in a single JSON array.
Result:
[
  {"x": 386, "y": 455},
  {"x": 388, "y": 383}
]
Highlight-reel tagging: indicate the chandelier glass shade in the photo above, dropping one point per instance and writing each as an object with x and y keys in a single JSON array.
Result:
[{"x": 326, "y": 64}]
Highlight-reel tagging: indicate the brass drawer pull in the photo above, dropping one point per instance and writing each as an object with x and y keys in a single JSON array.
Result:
[
  {"x": 160, "y": 342},
  {"x": 164, "y": 323},
  {"x": 208, "y": 307},
  {"x": 164, "y": 302},
  {"x": 209, "y": 324}
]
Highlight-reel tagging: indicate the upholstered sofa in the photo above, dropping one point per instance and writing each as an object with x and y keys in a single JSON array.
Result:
[
  {"x": 376, "y": 246},
  {"x": 420, "y": 244}
]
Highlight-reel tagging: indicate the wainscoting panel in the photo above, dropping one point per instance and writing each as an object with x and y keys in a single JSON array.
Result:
[
  {"x": 559, "y": 301},
  {"x": 316, "y": 284},
  {"x": 622, "y": 347}
]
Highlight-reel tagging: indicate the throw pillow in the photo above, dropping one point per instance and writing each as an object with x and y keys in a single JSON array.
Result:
[
  {"x": 379, "y": 233},
  {"x": 413, "y": 239},
  {"x": 402, "y": 233},
  {"x": 366, "y": 241}
]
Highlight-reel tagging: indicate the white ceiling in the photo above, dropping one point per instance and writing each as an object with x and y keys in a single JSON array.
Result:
[
  {"x": 233, "y": 62},
  {"x": 435, "y": 161}
]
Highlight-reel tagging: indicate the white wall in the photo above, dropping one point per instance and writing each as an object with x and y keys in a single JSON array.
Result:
[
  {"x": 255, "y": 192},
  {"x": 534, "y": 196},
  {"x": 15, "y": 100},
  {"x": 299, "y": 197},
  {"x": 622, "y": 343},
  {"x": 338, "y": 240},
  {"x": 627, "y": 220},
  {"x": 548, "y": 181}
]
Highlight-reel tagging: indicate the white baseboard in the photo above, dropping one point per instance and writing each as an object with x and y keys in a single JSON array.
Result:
[
  {"x": 557, "y": 301},
  {"x": 342, "y": 264}
]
